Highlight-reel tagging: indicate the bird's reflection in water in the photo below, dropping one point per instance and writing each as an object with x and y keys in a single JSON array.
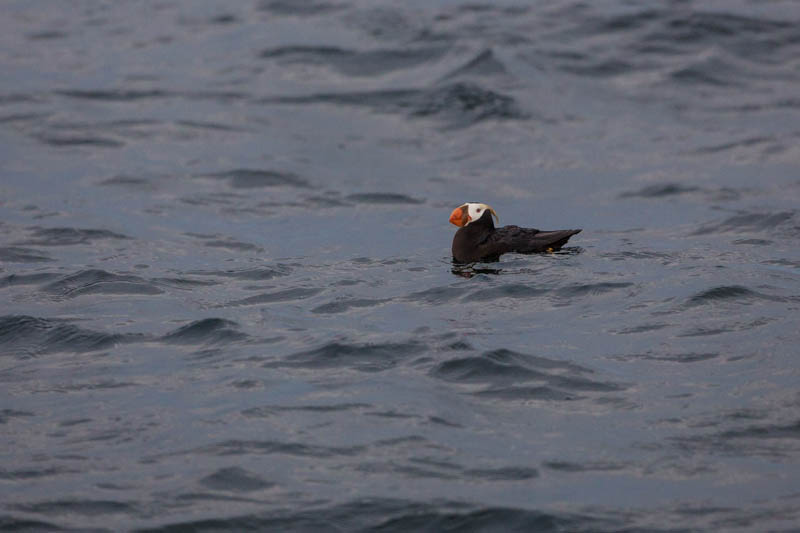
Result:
[{"x": 469, "y": 270}]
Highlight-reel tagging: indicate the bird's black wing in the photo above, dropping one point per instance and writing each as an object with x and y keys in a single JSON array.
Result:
[{"x": 528, "y": 240}]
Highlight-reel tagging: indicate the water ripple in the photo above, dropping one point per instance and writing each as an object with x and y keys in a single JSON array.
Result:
[
  {"x": 460, "y": 104},
  {"x": 303, "y": 8},
  {"x": 27, "y": 279},
  {"x": 355, "y": 63},
  {"x": 590, "y": 289},
  {"x": 770, "y": 440},
  {"x": 113, "y": 95},
  {"x": 100, "y": 282},
  {"x": 726, "y": 293},
  {"x": 286, "y": 295},
  {"x": 251, "y": 178},
  {"x": 344, "y": 305},
  {"x": 268, "y": 447},
  {"x": 70, "y": 236},
  {"x": 22, "y": 335},
  {"x": 248, "y": 274},
  {"x": 16, "y": 254},
  {"x": 383, "y": 198},
  {"x": 206, "y": 331},
  {"x": 395, "y": 516},
  {"x": 362, "y": 357},
  {"x": 512, "y": 375},
  {"x": 235, "y": 479},
  {"x": 485, "y": 64},
  {"x": 748, "y": 222},
  {"x": 79, "y": 506},
  {"x": 510, "y": 290},
  {"x": 661, "y": 190}
]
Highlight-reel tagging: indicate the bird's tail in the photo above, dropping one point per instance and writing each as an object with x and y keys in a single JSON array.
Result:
[{"x": 557, "y": 239}]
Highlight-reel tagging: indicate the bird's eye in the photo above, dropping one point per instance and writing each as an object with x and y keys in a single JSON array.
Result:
[{"x": 479, "y": 210}]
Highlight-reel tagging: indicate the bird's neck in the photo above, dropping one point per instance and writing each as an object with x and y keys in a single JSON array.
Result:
[
  {"x": 485, "y": 223},
  {"x": 475, "y": 232}
]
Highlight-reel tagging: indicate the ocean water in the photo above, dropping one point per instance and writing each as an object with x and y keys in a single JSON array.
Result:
[{"x": 227, "y": 301}]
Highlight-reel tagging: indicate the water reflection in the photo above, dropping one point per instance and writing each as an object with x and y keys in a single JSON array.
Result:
[{"x": 470, "y": 270}]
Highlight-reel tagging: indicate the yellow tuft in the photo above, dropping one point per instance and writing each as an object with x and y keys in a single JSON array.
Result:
[{"x": 497, "y": 218}]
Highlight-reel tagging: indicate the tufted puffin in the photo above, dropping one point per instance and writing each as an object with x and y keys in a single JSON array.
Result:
[{"x": 478, "y": 240}]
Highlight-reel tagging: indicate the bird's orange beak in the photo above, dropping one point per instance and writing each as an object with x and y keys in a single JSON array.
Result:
[{"x": 459, "y": 216}]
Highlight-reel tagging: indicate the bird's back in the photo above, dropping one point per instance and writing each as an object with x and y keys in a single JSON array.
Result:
[{"x": 529, "y": 240}]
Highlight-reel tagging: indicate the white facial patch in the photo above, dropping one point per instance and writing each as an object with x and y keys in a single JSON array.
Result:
[{"x": 476, "y": 211}]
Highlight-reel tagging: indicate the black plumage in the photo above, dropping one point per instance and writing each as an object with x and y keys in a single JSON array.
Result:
[{"x": 479, "y": 240}]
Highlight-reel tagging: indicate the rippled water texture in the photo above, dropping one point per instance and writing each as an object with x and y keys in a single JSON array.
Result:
[{"x": 226, "y": 294}]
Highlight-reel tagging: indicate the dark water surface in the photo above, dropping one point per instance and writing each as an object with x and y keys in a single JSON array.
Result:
[{"x": 227, "y": 301}]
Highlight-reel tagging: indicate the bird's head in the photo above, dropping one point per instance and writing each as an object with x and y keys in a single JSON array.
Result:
[{"x": 470, "y": 212}]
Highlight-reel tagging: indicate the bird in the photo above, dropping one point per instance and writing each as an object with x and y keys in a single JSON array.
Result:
[{"x": 478, "y": 240}]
